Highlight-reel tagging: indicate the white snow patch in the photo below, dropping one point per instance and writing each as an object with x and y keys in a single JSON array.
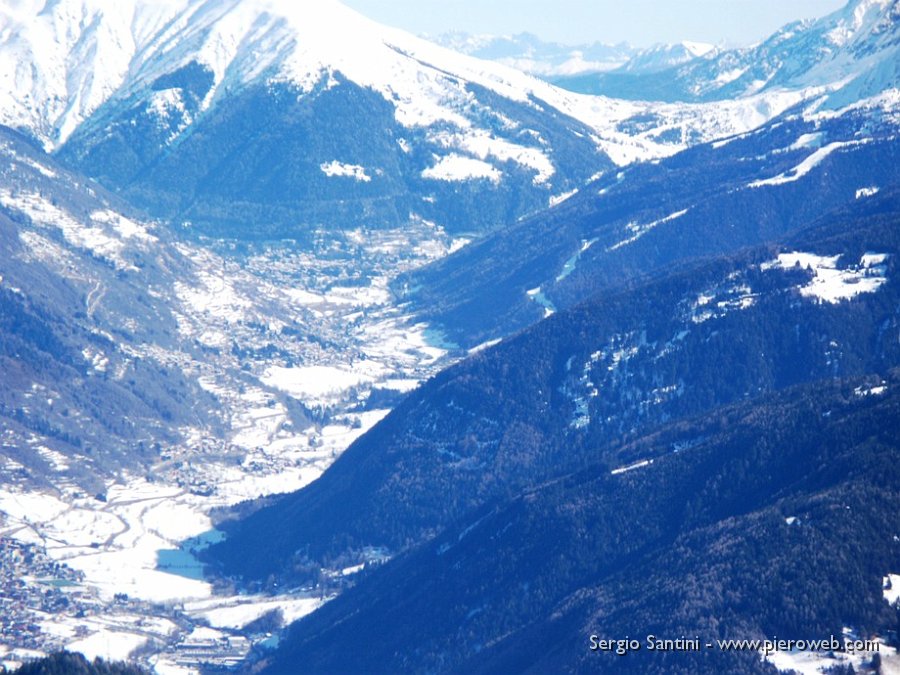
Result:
[
  {"x": 45, "y": 214},
  {"x": 401, "y": 385},
  {"x": 631, "y": 467},
  {"x": 728, "y": 76},
  {"x": 482, "y": 145},
  {"x": 336, "y": 168},
  {"x": 877, "y": 390},
  {"x": 27, "y": 508},
  {"x": 214, "y": 296},
  {"x": 806, "y": 165},
  {"x": 559, "y": 199},
  {"x": 235, "y": 613},
  {"x": 303, "y": 297},
  {"x": 637, "y": 230},
  {"x": 454, "y": 167},
  {"x": 312, "y": 382},
  {"x": 457, "y": 244},
  {"x": 485, "y": 345},
  {"x": 867, "y": 192},
  {"x": 107, "y": 644},
  {"x": 830, "y": 284},
  {"x": 57, "y": 460},
  {"x": 891, "y": 587},
  {"x": 812, "y": 140},
  {"x": 126, "y": 227},
  {"x": 810, "y": 662}
]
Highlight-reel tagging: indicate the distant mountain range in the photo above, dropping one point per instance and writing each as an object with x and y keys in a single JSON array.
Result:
[
  {"x": 853, "y": 50},
  {"x": 553, "y": 61},
  {"x": 853, "y": 46},
  {"x": 528, "y": 53}
]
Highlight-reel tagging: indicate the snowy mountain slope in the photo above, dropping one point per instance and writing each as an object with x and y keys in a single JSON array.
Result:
[
  {"x": 65, "y": 60},
  {"x": 853, "y": 52},
  {"x": 630, "y": 223},
  {"x": 552, "y": 60},
  {"x": 663, "y": 57},
  {"x": 256, "y": 118},
  {"x": 856, "y": 50}
]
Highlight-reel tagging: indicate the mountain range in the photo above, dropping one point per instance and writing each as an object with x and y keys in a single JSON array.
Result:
[
  {"x": 853, "y": 50},
  {"x": 614, "y": 363},
  {"x": 254, "y": 120}
]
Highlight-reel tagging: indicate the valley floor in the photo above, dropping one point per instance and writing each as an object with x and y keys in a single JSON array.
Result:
[{"x": 114, "y": 574}]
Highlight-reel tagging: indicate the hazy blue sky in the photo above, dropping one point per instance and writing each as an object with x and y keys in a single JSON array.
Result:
[{"x": 640, "y": 22}]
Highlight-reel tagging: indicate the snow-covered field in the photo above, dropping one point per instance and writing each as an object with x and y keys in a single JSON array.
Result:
[{"x": 831, "y": 283}]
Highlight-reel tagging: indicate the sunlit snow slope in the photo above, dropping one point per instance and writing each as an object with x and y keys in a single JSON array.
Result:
[{"x": 253, "y": 118}]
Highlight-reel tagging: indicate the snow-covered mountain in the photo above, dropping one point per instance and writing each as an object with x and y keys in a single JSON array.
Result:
[
  {"x": 301, "y": 113},
  {"x": 664, "y": 56},
  {"x": 528, "y": 53},
  {"x": 149, "y": 378},
  {"x": 260, "y": 118},
  {"x": 553, "y": 60},
  {"x": 852, "y": 52},
  {"x": 855, "y": 50}
]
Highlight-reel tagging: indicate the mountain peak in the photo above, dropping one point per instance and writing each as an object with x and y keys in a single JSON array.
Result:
[{"x": 861, "y": 18}]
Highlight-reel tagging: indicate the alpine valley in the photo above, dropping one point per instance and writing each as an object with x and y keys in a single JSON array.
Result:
[{"x": 325, "y": 348}]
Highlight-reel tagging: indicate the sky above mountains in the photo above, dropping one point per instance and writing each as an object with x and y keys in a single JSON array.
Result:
[{"x": 639, "y": 22}]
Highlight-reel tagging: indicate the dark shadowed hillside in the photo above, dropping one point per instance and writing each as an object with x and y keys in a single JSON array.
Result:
[
  {"x": 566, "y": 393},
  {"x": 770, "y": 517}
]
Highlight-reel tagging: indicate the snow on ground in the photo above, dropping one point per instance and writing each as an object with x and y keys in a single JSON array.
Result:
[
  {"x": 213, "y": 295},
  {"x": 126, "y": 227},
  {"x": 560, "y": 198},
  {"x": 867, "y": 192},
  {"x": 138, "y": 537},
  {"x": 484, "y": 146},
  {"x": 29, "y": 508},
  {"x": 302, "y": 297},
  {"x": 455, "y": 167},
  {"x": 636, "y": 230},
  {"x": 805, "y": 166},
  {"x": 892, "y": 588},
  {"x": 831, "y": 284},
  {"x": 104, "y": 242},
  {"x": 313, "y": 383},
  {"x": 813, "y": 140},
  {"x": 631, "y": 467},
  {"x": 401, "y": 385},
  {"x": 107, "y": 644},
  {"x": 877, "y": 390},
  {"x": 336, "y": 168},
  {"x": 237, "y": 613},
  {"x": 811, "y": 662},
  {"x": 485, "y": 345},
  {"x": 57, "y": 460},
  {"x": 718, "y": 301}
]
